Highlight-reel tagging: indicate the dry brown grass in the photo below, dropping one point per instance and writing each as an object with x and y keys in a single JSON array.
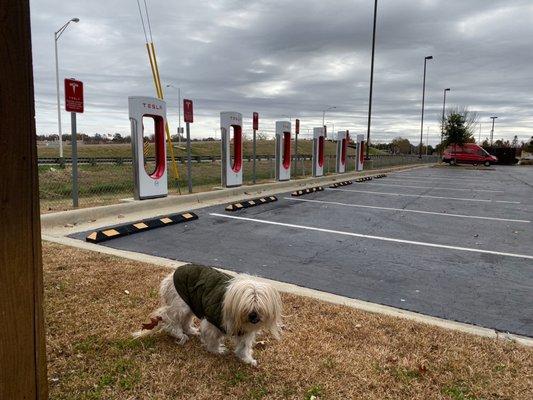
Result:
[{"x": 327, "y": 351}]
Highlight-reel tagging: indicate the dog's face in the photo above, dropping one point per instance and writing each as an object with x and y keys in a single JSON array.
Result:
[
  {"x": 250, "y": 305},
  {"x": 254, "y": 317}
]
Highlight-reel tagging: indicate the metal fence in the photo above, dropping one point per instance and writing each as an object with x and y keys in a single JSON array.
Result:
[{"x": 108, "y": 180}]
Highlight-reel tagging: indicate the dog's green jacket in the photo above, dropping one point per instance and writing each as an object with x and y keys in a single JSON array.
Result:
[{"x": 202, "y": 288}]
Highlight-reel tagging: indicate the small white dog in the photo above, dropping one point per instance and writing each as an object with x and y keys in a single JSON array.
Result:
[{"x": 237, "y": 307}]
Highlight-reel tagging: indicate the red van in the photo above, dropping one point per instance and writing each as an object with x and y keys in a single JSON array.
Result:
[{"x": 469, "y": 153}]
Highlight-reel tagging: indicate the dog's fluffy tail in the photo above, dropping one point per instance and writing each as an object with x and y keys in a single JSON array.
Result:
[
  {"x": 141, "y": 333},
  {"x": 155, "y": 325},
  {"x": 160, "y": 318}
]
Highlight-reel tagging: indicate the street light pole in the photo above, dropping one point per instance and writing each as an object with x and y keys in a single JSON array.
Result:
[
  {"x": 492, "y": 130},
  {"x": 367, "y": 157},
  {"x": 324, "y": 114},
  {"x": 423, "y": 103},
  {"x": 427, "y": 140},
  {"x": 443, "y": 115},
  {"x": 57, "y": 35}
]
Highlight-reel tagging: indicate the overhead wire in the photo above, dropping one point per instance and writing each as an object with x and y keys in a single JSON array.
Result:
[{"x": 157, "y": 83}]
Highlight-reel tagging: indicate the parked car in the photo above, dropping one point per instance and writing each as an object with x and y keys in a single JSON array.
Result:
[{"x": 469, "y": 153}]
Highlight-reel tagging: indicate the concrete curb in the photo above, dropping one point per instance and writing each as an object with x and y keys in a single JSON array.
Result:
[
  {"x": 83, "y": 215},
  {"x": 311, "y": 293}
]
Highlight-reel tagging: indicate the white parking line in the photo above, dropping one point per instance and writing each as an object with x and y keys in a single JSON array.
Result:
[
  {"x": 391, "y": 178},
  {"x": 409, "y": 211},
  {"x": 458, "y": 179},
  {"x": 381, "y": 238},
  {"x": 425, "y": 196},
  {"x": 436, "y": 187}
]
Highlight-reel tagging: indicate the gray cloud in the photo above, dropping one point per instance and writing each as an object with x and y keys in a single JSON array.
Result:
[{"x": 295, "y": 58}]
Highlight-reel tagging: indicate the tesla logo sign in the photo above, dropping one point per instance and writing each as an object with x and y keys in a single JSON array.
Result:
[
  {"x": 152, "y": 106},
  {"x": 187, "y": 111},
  {"x": 297, "y": 129},
  {"x": 73, "y": 95},
  {"x": 255, "y": 121}
]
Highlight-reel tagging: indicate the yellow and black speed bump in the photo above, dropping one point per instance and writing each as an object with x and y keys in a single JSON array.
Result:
[
  {"x": 250, "y": 203},
  {"x": 340, "y": 184},
  {"x": 364, "y": 179},
  {"x": 103, "y": 235},
  {"x": 307, "y": 191},
  {"x": 380, "y": 176}
]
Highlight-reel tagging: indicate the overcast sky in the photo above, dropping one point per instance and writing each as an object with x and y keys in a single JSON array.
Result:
[{"x": 281, "y": 57}]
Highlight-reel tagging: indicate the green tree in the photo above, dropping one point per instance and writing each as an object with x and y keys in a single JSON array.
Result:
[
  {"x": 459, "y": 127},
  {"x": 529, "y": 146},
  {"x": 400, "y": 145}
]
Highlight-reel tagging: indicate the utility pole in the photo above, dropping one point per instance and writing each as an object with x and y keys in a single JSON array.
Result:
[{"x": 492, "y": 130}]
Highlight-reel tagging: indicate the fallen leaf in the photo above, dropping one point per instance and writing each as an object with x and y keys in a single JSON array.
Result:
[{"x": 422, "y": 369}]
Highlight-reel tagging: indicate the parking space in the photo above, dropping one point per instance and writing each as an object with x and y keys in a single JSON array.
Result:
[{"x": 455, "y": 243}]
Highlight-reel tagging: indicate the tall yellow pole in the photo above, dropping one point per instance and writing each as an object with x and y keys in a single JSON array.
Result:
[{"x": 159, "y": 91}]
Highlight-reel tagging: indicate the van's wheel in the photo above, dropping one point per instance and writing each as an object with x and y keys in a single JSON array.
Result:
[
  {"x": 475, "y": 164},
  {"x": 453, "y": 161},
  {"x": 486, "y": 163}
]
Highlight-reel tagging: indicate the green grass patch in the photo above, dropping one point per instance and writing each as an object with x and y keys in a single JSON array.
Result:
[
  {"x": 257, "y": 393},
  {"x": 133, "y": 344},
  {"x": 459, "y": 392},
  {"x": 236, "y": 378},
  {"x": 406, "y": 375},
  {"x": 314, "y": 392},
  {"x": 89, "y": 344}
]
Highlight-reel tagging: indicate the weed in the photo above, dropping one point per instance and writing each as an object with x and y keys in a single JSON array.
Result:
[
  {"x": 237, "y": 377},
  {"x": 314, "y": 392},
  {"x": 458, "y": 392},
  {"x": 91, "y": 343},
  {"x": 258, "y": 393},
  {"x": 406, "y": 375}
]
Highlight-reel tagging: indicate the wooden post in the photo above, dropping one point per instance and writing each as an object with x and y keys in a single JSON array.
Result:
[{"x": 22, "y": 348}]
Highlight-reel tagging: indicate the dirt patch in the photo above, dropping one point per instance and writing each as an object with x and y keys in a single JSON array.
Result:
[{"x": 94, "y": 302}]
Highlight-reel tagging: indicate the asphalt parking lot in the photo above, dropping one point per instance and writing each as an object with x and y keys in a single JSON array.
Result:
[{"x": 455, "y": 243}]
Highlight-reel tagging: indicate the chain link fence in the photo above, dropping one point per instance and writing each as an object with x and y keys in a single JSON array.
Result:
[{"x": 106, "y": 171}]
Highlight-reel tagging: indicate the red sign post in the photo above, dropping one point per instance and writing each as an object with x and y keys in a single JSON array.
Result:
[
  {"x": 188, "y": 111},
  {"x": 255, "y": 126},
  {"x": 74, "y": 104},
  {"x": 73, "y": 95},
  {"x": 188, "y": 118},
  {"x": 296, "y": 133},
  {"x": 255, "y": 121}
]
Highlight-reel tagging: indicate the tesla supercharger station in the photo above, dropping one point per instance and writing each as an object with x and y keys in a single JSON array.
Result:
[
  {"x": 148, "y": 185},
  {"x": 318, "y": 151},
  {"x": 342, "y": 146},
  {"x": 231, "y": 166},
  {"x": 360, "y": 153},
  {"x": 283, "y": 150}
]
